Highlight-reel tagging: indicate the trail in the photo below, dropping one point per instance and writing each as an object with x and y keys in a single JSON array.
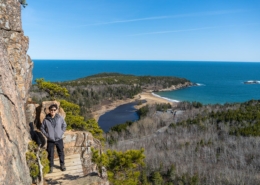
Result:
[{"x": 73, "y": 170}]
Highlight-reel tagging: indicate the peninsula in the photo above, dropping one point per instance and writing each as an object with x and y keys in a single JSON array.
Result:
[{"x": 103, "y": 92}]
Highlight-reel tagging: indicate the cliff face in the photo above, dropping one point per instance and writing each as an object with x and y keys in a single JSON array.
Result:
[{"x": 15, "y": 80}]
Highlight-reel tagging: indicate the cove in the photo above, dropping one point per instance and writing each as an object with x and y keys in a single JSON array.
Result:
[{"x": 119, "y": 115}]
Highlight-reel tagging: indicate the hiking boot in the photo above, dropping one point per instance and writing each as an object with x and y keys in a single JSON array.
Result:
[
  {"x": 62, "y": 167},
  {"x": 51, "y": 170}
]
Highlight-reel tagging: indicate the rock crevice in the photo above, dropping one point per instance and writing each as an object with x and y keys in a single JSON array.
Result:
[
  {"x": 6, "y": 96},
  {"x": 6, "y": 133}
]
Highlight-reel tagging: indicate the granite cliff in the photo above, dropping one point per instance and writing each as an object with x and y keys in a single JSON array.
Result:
[{"x": 15, "y": 80}]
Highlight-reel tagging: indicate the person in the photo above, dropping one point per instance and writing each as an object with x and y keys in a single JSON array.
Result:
[{"x": 53, "y": 127}]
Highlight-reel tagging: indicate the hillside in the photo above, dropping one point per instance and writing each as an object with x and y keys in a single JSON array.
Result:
[
  {"x": 92, "y": 92},
  {"x": 212, "y": 144}
]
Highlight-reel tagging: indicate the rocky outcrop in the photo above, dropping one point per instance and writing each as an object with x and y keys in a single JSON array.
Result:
[
  {"x": 15, "y": 45},
  {"x": 43, "y": 110},
  {"x": 176, "y": 87},
  {"x": 15, "y": 80},
  {"x": 252, "y": 82},
  {"x": 81, "y": 143}
]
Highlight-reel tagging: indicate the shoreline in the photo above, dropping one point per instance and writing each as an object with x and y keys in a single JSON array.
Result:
[
  {"x": 106, "y": 108},
  {"x": 152, "y": 98},
  {"x": 149, "y": 96}
]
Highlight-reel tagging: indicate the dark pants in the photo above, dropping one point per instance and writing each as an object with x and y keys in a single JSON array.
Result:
[{"x": 50, "y": 150}]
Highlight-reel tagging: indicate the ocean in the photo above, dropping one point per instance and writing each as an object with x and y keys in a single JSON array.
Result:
[{"x": 218, "y": 82}]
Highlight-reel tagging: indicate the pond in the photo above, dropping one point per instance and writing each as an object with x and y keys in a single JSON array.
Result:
[{"x": 119, "y": 115}]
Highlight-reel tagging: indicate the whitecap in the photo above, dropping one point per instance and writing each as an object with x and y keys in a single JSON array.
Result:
[{"x": 199, "y": 84}]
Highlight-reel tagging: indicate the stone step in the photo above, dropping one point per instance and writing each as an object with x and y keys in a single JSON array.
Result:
[
  {"x": 69, "y": 169},
  {"x": 64, "y": 175},
  {"x": 70, "y": 156},
  {"x": 73, "y": 169},
  {"x": 68, "y": 162}
]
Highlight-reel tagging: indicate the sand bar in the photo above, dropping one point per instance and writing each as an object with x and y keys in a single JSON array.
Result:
[{"x": 151, "y": 99}]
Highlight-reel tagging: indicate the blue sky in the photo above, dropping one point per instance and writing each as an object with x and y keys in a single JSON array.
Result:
[{"x": 197, "y": 30}]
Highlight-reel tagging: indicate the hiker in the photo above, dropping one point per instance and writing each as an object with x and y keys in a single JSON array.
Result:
[{"x": 53, "y": 127}]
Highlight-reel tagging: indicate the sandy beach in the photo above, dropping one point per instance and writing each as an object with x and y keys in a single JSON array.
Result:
[
  {"x": 148, "y": 96},
  {"x": 151, "y": 99}
]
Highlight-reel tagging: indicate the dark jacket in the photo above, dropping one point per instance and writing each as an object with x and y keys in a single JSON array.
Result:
[{"x": 53, "y": 128}]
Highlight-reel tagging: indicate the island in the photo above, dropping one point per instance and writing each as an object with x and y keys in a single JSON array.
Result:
[{"x": 252, "y": 82}]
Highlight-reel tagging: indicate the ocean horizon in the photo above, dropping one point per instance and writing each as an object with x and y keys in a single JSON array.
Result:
[{"x": 218, "y": 82}]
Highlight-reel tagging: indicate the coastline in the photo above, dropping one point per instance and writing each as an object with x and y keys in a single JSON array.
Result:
[
  {"x": 152, "y": 98},
  {"x": 148, "y": 96},
  {"x": 106, "y": 108}
]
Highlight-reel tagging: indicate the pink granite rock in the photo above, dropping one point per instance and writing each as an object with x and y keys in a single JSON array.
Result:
[
  {"x": 43, "y": 110},
  {"x": 80, "y": 142},
  {"x": 15, "y": 80}
]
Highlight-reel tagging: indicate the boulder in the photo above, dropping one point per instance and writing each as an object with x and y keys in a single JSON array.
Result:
[
  {"x": 43, "y": 110},
  {"x": 80, "y": 142}
]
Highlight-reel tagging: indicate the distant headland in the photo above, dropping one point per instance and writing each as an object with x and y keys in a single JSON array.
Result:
[{"x": 97, "y": 94}]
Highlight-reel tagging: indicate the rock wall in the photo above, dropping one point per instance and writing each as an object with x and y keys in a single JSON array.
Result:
[
  {"x": 15, "y": 80},
  {"x": 80, "y": 143}
]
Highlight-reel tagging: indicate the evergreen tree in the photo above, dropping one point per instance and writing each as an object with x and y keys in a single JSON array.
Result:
[
  {"x": 157, "y": 178},
  {"x": 143, "y": 178},
  {"x": 171, "y": 173},
  {"x": 54, "y": 90},
  {"x": 122, "y": 167}
]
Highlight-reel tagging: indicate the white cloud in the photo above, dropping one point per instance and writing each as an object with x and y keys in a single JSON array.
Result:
[
  {"x": 222, "y": 12},
  {"x": 192, "y": 29}
]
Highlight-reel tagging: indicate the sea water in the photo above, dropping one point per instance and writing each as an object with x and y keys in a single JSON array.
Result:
[{"x": 218, "y": 82}]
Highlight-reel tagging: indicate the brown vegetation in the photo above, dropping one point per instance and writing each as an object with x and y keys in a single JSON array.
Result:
[{"x": 199, "y": 142}]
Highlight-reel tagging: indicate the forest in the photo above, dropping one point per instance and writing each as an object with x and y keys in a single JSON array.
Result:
[
  {"x": 191, "y": 144},
  {"x": 195, "y": 144},
  {"x": 94, "y": 91}
]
